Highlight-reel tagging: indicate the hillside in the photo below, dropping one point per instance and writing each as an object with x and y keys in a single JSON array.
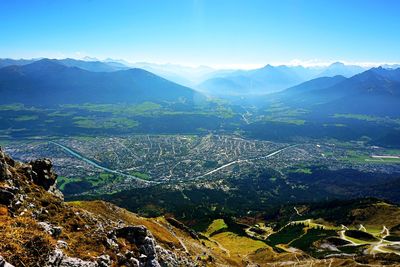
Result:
[
  {"x": 48, "y": 82},
  {"x": 39, "y": 229},
  {"x": 307, "y": 88},
  {"x": 373, "y": 92}
]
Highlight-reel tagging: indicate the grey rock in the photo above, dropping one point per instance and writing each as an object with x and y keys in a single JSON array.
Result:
[
  {"x": 148, "y": 247},
  {"x": 75, "y": 262},
  {"x": 56, "y": 192},
  {"x": 42, "y": 173},
  {"x": 61, "y": 244},
  {"x": 104, "y": 261},
  {"x": 133, "y": 262},
  {"x": 129, "y": 260},
  {"x": 134, "y": 234},
  {"x": 6, "y": 159},
  {"x": 4, "y": 172},
  {"x": 129, "y": 254},
  {"x": 167, "y": 258},
  {"x": 143, "y": 239},
  {"x": 55, "y": 258},
  {"x": 6, "y": 196},
  {"x": 27, "y": 170},
  {"x": 143, "y": 258},
  {"x": 45, "y": 226},
  {"x": 3, "y": 263},
  {"x": 54, "y": 231},
  {"x": 152, "y": 263},
  {"x": 111, "y": 244},
  {"x": 121, "y": 259},
  {"x": 58, "y": 259}
]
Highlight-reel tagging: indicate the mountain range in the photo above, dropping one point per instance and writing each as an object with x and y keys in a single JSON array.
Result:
[
  {"x": 184, "y": 75},
  {"x": 270, "y": 79},
  {"x": 69, "y": 81},
  {"x": 52, "y": 82},
  {"x": 375, "y": 92},
  {"x": 259, "y": 81},
  {"x": 217, "y": 82}
]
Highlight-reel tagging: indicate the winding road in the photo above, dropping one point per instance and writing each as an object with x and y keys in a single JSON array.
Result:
[{"x": 246, "y": 160}]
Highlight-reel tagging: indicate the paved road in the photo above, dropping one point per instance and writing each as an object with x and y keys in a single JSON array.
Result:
[{"x": 247, "y": 160}]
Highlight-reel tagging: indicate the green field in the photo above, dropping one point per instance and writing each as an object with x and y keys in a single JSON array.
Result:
[
  {"x": 215, "y": 226},
  {"x": 286, "y": 234},
  {"x": 110, "y": 123},
  {"x": 94, "y": 181},
  {"x": 367, "y": 118},
  {"x": 125, "y": 109},
  {"x": 27, "y": 118},
  {"x": 17, "y": 107},
  {"x": 302, "y": 170},
  {"x": 359, "y": 157}
]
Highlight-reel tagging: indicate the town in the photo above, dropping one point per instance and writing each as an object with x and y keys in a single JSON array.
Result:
[{"x": 118, "y": 163}]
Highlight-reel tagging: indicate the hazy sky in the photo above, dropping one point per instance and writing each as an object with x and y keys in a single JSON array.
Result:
[{"x": 209, "y": 32}]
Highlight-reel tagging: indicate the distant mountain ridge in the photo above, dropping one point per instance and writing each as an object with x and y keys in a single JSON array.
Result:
[
  {"x": 50, "y": 82},
  {"x": 184, "y": 75},
  {"x": 90, "y": 65},
  {"x": 339, "y": 68},
  {"x": 96, "y": 66},
  {"x": 219, "y": 82},
  {"x": 258, "y": 81},
  {"x": 4, "y": 62},
  {"x": 270, "y": 79},
  {"x": 375, "y": 91}
]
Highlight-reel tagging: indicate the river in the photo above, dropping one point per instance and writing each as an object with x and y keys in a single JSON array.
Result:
[{"x": 76, "y": 155}]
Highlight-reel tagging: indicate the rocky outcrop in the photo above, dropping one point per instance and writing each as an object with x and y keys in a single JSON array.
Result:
[
  {"x": 169, "y": 259},
  {"x": 128, "y": 259},
  {"x": 59, "y": 259},
  {"x": 5, "y": 173},
  {"x": 6, "y": 196},
  {"x": 52, "y": 233},
  {"x": 143, "y": 240},
  {"x": 39, "y": 171},
  {"x": 7, "y": 191},
  {"x": 42, "y": 173}
]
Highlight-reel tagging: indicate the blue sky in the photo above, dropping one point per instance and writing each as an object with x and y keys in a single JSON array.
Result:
[{"x": 203, "y": 32}]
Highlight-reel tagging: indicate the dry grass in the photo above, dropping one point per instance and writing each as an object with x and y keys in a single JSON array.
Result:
[
  {"x": 111, "y": 212},
  {"x": 377, "y": 215},
  {"x": 166, "y": 235},
  {"x": 239, "y": 247},
  {"x": 216, "y": 226},
  {"x": 23, "y": 242},
  {"x": 3, "y": 210}
]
